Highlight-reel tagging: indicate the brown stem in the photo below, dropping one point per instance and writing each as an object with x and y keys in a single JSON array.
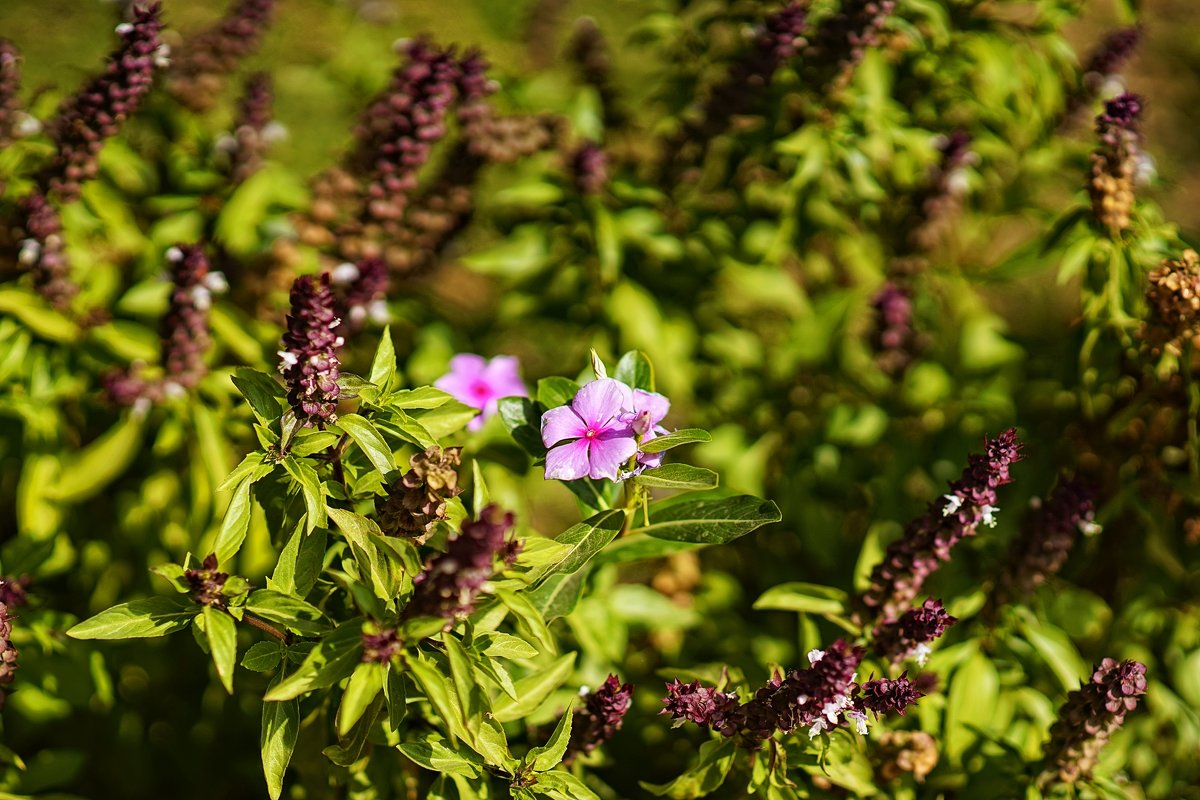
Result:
[{"x": 267, "y": 628}]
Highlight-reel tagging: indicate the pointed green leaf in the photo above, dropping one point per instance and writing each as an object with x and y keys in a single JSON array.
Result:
[
  {"x": 678, "y": 476},
  {"x": 674, "y": 439},
  {"x": 332, "y": 659},
  {"x": 368, "y": 438},
  {"x": 365, "y": 683},
  {"x": 533, "y": 690},
  {"x": 709, "y": 520},
  {"x": 264, "y": 394},
  {"x": 154, "y": 616},
  {"x": 221, "y": 631},
  {"x": 383, "y": 365},
  {"x": 636, "y": 371},
  {"x": 586, "y": 539},
  {"x": 551, "y": 754},
  {"x": 280, "y": 728},
  {"x": 310, "y": 485}
]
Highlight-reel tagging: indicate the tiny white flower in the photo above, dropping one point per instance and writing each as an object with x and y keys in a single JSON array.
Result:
[
  {"x": 920, "y": 653},
  {"x": 989, "y": 515},
  {"x": 815, "y": 655},
  {"x": 1144, "y": 169},
  {"x": 123, "y": 28},
  {"x": 289, "y": 359},
  {"x": 274, "y": 132},
  {"x": 216, "y": 283},
  {"x": 860, "y": 722},
  {"x": 377, "y": 312},
  {"x": 31, "y": 251},
  {"x": 953, "y": 504},
  {"x": 174, "y": 254},
  {"x": 26, "y": 125},
  {"x": 1090, "y": 527},
  {"x": 201, "y": 298},
  {"x": 958, "y": 182},
  {"x": 583, "y": 691},
  {"x": 225, "y": 144},
  {"x": 817, "y": 727},
  {"x": 344, "y": 273},
  {"x": 173, "y": 389},
  {"x": 162, "y": 56}
]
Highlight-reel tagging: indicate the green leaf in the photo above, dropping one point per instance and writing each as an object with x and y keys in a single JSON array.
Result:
[
  {"x": 32, "y": 311},
  {"x": 441, "y": 695},
  {"x": 154, "y": 616},
  {"x": 808, "y": 598},
  {"x": 421, "y": 397},
  {"x": 262, "y": 392},
  {"x": 367, "y": 437},
  {"x": 221, "y": 631},
  {"x": 558, "y": 596},
  {"x": 433, "y": 754},
  {"x": 524, "y": 423},
  {"x": 446, "y": 419},
  {"x": 280, "y": 728},
  {"x": 704, "y": 777},
  {"x": 675, "y": 439},
  {"x": 403, "y": 426},
  {"x": 365, "y": 683},
  {"x": 563, "y": 786},
  {"x": 300, "y": 562},
  {"x": 504, "y": 645},
  {"x": 362, "y": 534},
  {"x": 332, "y": 659},
  {"x": 678, "y": 476},
  {"x": 845, "y": 764},
  {"x": 639, "y": 547},
  {"x": 262, "y": 656},
  {"x": 551, "y": 754},
  {"x": 528, "y": 619},
  {"x": 1057, "y": 650},
  {"x": 971, "y": 700},
  {"x": 383, "y": 365},
  {"x": 533, "y": 690},
  {"x": 99, "y": 463},
  {"x": 310, "y": 486},
  {"x": 635, "y": 370},
  {"x": 586, "y": 539},
  {"x": 709, "y": 520},
  {"x": 236, "y": 521},
  {"x": 480, "y": 496},
  {"x": 396, "y": 697},
  {"x": 289, "y": 611},
  {"x": 556, "y": 391},
  {"x": 461, "y": 677}
]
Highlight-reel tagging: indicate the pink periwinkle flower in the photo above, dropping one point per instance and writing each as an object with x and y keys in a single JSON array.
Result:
[
  {"x": 480, "y": 383},
  {"x": 594, "y": 435},
  {"x": 649, "y": 410}
]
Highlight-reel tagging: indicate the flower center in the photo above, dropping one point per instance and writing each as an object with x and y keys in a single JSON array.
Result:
[
  {"x": 591, "y": 433},
  {"x": 480, "y": 389}
]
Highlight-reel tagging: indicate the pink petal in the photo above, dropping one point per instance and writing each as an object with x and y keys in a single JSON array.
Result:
[
  {"x": 458, "y": 387},
  {"x": 568, "y": 462},
  {"x": 559, "y": 424},
  {"x": 602, "y": 400},
  {"x": 477, "y": 422},
  {"x": 503, "y": 375},
  {"x": 653, "y": 404},
  {"x": 608, "y": 454},
  {"x": 468, "y": 365}
]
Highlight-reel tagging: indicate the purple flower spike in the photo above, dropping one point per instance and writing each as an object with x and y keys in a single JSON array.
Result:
[
  {"x": 691, "y": 702},
  {"x": 309, "y": 360},
  {"x": 8, "y": 654},
  {"x": 601, "y": 716},
  {"x": 594, "y": 436},
  {"x": 479, "y": 383}
]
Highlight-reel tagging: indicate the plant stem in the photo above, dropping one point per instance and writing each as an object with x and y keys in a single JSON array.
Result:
[{"x": 267, "y": 628}]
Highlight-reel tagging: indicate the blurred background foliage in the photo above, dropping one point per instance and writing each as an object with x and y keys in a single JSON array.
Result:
[{"x": 750, "y": 288}]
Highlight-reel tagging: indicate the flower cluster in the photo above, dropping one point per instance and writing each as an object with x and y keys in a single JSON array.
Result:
[
  {"x": 417, "y": 500},
  {"x": 941, "y": 201},
  {"x": 198, "y": 74},
  {"x": 480, "y": 383},
  {"x": 600, "y": 718},
  {"x": 892, "y": 337},
  {"x": 928, "y": 540},
  {"x": 380, "y": 646},
  {"x": 1115, "y": 163},
  {"x": 13, "y": 593},
  {"x": 900, "y": 752},
  {"x": 589, "y": 168},
  {"x": 1173, "y": 295},
  {"x": 397, "y": 133},
  {"x": 11, "y": 116},
  {"x": 309, "y": 360},
  {"x": 599, "y": 434},
  {"x": 1100, "y": 71},
  {"x": 254, "y": 130},
  {"x": 98, "y": 110},
  {"x": 842, "y": 39},
  {"x": 910, "y": 635},
  {"x": 361, "y": 290},
  {"x": 1089, "y": 717},
  {"x": 1046, "y": 538},
  {"x": 587, "y": 50},
  {"x": 8, "y": 654},
  {"x": 819, "y": 698},
  {"x": 43, "y": 251},
  {"x": 207, "y": 582},
  {"x": 185, "y": 334},
  {"x": 450, "y": 582}
]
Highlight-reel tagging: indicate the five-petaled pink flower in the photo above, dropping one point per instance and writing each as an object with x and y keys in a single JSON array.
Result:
[
  {"x": 480, "y": 384},
  {"x": 594, "y": 435}
]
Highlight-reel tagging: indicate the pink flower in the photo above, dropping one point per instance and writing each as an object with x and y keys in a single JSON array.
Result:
[
  {"x": 480, "y": 384},
  {"x": 594, "y": 435},
  {"x": 649, "y": 409}
]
